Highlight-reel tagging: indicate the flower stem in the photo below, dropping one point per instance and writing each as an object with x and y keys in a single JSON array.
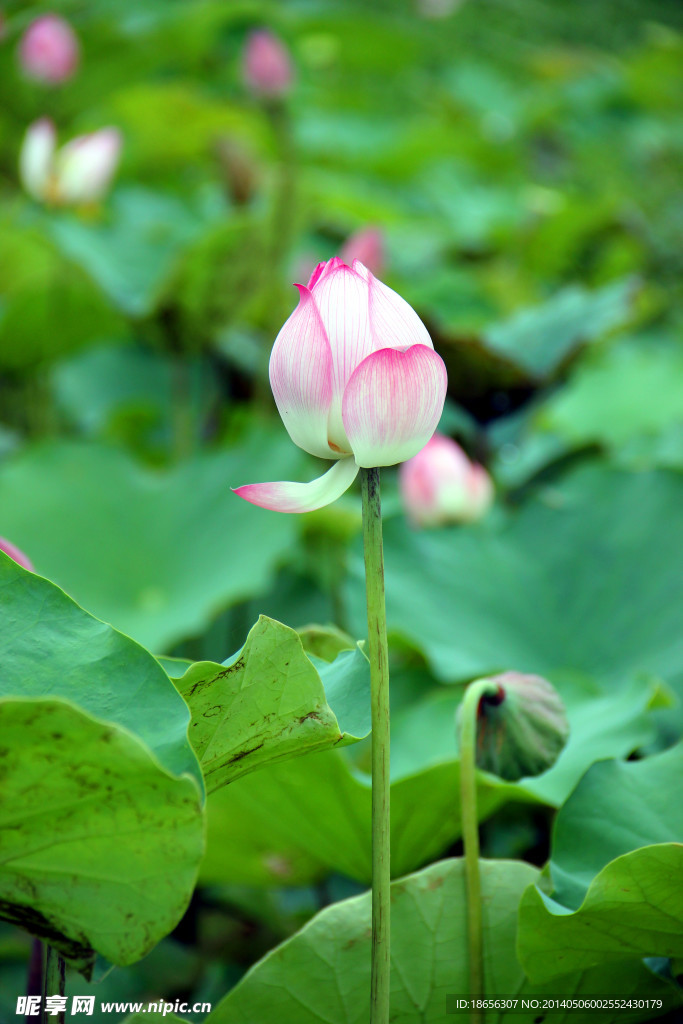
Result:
[
  {"x": 470, "y": 836},
  {"x": 379, "y": 690},
  {"x": 54, "y": 983}
]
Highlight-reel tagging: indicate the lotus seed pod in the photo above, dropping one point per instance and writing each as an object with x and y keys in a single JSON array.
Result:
[{"x": 521, "y": 726}]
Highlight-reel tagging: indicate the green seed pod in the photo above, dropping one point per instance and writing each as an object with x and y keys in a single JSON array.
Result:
[{"x": 521, "y": 726}]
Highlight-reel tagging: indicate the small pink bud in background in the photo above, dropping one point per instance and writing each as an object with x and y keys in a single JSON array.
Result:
[
  {"x": 368, "y": 247},
  {"x": 440, "y": 485},
  {"x": 13, "y": 551},
  {"x": 49, "y": 50},
  {"x": 268, "y": 69}
]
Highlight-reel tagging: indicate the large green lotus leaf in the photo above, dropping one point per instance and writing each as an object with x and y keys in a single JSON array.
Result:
[
  {"x": 53, "y": 648},
  {"x": 133, "y": 252},
  {"x": 99, "y": 844},
  {"x": 269, "y": 703},
  {"x": 586, "y": 575},
  {"x": 539, "y": 340},
  {"x": 624, "y": 397},
  {"x": 155, "y": 552},
  {"x": 322, "y": 974},
  {"x": 614, "y": 872},
  {"x": 292, "y": 819},
  {"x": 40, "y": 288},
  {"x": 115, "y": 388},
  {"x": 633, "y": 908},
  {"x": 617, "y": 807},
  {"x": 620, "y": 393}
]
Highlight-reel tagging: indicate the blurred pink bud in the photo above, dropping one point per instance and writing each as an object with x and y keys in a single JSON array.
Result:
[
  {"x": 49, "y": 50},
  {"x": 13, "y": 551},
  {"x": 440, "y": 485},
  {"x": 368, "y": 247},
  {"x": 80, "y": 172},
  {"x": 355, "y": 378},
  {"x": 268, "y": 67}
]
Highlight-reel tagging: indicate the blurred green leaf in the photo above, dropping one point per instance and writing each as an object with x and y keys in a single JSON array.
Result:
[
  {"x": 155, "y": 552},
  {"x": 49, "y": 305},
  {"x": 544, "y": 587},
  {"x": 133, "y": 253},
  {"x": 626, "y": 391},
  {"x": 539, "y": 340}
]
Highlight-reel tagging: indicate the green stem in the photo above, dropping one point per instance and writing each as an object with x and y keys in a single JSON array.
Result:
[
  {"x": 379, "y": 691},
  {"x": 54, "y": 983},
  {"x": 470, "y": 836}
]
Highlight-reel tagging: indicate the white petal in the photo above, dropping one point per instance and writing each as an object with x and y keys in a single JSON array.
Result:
[
  {"x": 286, "y": 496},
  {"x": 36, "y": 158},
  {"x": 301, "y": 377},
  {"x": 393, "y": 321}
]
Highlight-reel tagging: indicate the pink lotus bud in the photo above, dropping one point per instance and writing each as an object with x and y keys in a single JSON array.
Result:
[
  {"x": 49, "y": 50},
  {"x": 366, "y": 246},
  {"x": 268, "y": 67},
  {"x": 86, "y": 165},
  {"x": 522, "y": 726},
  {"x": 355, "y": 378},
  {"x": 80, "y": 172},
  {"x": 36, "y": 160},
  {"x": 13, "y": 551},
  {"x": 440, "y": 485}
]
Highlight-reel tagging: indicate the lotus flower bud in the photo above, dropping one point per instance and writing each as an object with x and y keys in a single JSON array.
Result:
[
  {"x": 366, "y": 246},
  {"x": 268, "y": 67},
  {"x": 440, "y": 485},
  {"x": 49, "y": 50},
  {"x": 13, "y": 551},
  {"x": 80, "y": 172},
  {"x": 356, "y": 380},
  {"x": 521, "y": 726}
]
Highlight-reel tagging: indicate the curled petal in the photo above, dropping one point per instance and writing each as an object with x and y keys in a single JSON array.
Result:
[
  {"x": 286, "y": 496},
  {"x": 393, "y": 321},
  {"x": 301, "y": 377},
  {"x": 392, "y": 404}
]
